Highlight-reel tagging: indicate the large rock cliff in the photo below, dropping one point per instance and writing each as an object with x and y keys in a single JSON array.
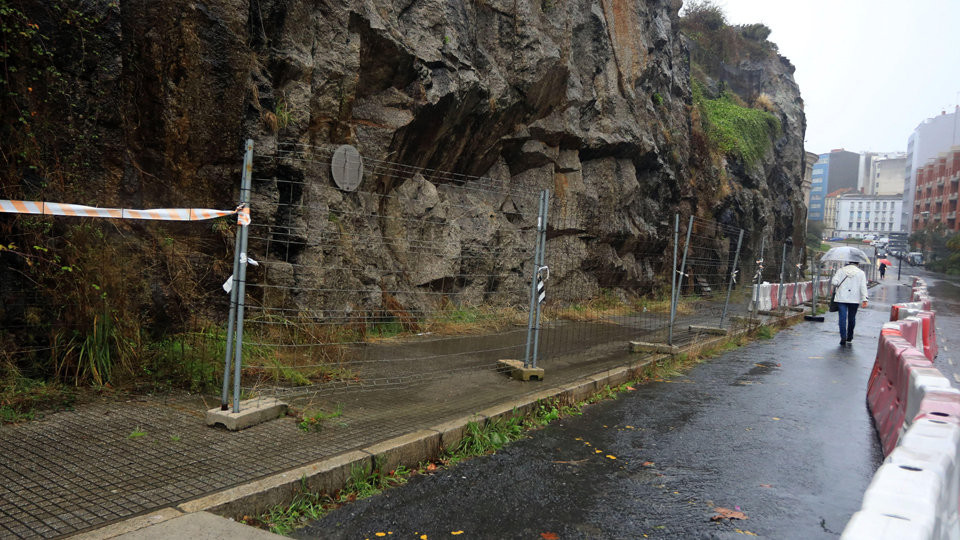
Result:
[{"x": 590, "y": 98}]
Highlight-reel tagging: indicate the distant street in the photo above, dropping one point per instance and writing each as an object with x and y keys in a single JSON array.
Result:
[{"x": 777, "y": 430}]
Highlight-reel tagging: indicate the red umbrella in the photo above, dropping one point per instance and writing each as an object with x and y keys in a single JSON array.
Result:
[{"x": 885, "y": 261}]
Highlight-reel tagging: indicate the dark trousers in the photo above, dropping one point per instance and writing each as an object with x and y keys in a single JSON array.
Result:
[
  {"x": 883, "y": 271},
  {"x": 848, "y": 319}
]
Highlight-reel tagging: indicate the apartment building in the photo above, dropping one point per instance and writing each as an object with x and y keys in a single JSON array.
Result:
[{"x": 937, "y": 192}]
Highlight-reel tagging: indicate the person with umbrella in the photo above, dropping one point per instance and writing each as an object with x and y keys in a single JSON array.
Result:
[
  {"x": 851, "y": 288},
  {"x": 883, "y": 267}
]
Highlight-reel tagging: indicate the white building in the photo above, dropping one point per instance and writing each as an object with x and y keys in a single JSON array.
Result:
[
  {"x": 886, "y": 174},
  {"x": 932, "y": 136},
  {"x": 859, "y": 215}
]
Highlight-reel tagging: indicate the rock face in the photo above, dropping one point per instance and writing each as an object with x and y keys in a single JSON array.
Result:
[{"x": 588, "y": 98}]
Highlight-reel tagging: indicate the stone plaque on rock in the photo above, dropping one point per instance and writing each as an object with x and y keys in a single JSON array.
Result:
[{"x": 347, "y": 168}]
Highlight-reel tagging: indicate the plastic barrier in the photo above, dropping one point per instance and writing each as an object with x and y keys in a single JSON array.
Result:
[
  {"x": 913, "y": 307},
  {"x": 774, "y": 295},
  {"x": 916, "y": 411},
  {"x": 763, "y": 299},
  {"x": 917, "y": 485},
  {"x": 790, "y": 290},
  {"x": 929, "y": 333}
]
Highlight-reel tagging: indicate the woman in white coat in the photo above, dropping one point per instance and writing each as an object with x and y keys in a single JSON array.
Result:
[{"x": 851, "y": 293}]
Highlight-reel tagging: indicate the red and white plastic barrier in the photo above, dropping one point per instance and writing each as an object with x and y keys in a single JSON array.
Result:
[
  {"x": 916, "y": 411},
  {"x": 794, "y": 294}
]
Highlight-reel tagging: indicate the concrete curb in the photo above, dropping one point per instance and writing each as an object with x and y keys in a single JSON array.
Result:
[
  {"x": 331, "y": 474},
  {"x": 129, "y": 525}
]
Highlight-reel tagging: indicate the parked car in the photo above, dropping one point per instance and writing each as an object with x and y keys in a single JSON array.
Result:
[
  {"x": 836, "y": 239},
  {"x": 915, "y": 258}
]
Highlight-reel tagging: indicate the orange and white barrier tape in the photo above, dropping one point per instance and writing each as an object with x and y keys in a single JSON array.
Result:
[{"x": 165, "y": 214}]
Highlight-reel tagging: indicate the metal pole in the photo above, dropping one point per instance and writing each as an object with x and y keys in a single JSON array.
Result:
[
  {"x": 533, "y": 281},
  {"x": 733, "y": 277},
  {"x": 756, "y": 295},
  {"x": 683, "y": 267},
  {"x": 783, "y": 260},
  {"x": 673, "y": 274},
  {"x": 233, "y": 309},
  {"x": 242, "y": 279},
  {"x": 816, "y": 285},
  {"x": 541, "y": 266}
]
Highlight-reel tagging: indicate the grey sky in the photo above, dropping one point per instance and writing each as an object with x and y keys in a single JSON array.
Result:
[{"x": 869, "y": 70}]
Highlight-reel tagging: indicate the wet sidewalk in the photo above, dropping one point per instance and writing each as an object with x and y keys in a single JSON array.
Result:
[{"x": 80, "y": 470}]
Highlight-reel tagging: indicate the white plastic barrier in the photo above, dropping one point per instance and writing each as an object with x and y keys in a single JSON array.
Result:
[
  {"x": 880, "y": 526},
  {"x": 916, "y": 492},
  {"x": 764, "y": 303}
]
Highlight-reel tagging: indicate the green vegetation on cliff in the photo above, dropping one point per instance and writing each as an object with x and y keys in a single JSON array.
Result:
[{"x": 736, "y": 130}]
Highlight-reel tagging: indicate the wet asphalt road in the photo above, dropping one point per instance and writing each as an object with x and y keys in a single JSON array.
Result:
[{"x": 778, "y": 430}]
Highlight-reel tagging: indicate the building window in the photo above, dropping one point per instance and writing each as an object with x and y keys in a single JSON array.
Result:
[{"x": 850, "y": 225}]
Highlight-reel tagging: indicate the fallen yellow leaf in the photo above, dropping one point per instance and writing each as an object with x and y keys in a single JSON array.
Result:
[
  {"x": 423, "y": 537},
  {"x": 775, "y": 418},
  {"x": 381, "y": 534},
  {"x": 746, "y": 532},
  {"x": 597, "y": 451},
  {"x": 611, "y": 457},
  {"x": 578, "y": 438},
  {"x": 455, "y": 533},
  {"x": 628, "y": 427}
]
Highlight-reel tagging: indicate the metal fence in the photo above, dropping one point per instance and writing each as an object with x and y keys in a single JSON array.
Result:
[
  {"x": 359, "y": 274},
  {"x": 373, "y": 274}
]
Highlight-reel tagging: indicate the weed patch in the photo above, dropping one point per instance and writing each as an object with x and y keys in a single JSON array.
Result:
[{"x": 314, "y": 420}]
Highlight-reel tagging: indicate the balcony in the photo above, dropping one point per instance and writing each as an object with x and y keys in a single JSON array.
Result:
[
  {"x": 952, "y": 215},
  {"x": 940, "y": 181},
  {"x": 952, "y": 197},
  {"x": 955, "y": 177}
]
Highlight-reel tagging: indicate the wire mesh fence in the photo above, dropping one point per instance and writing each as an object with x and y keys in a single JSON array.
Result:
[
  {"x": 361, "y": 274},
  {"x": 402, "y": 275},
  {"x": 92, "y": 301},
  {"x": 410, "y": 275}
]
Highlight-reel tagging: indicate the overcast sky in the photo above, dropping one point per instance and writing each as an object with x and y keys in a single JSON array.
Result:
[{"x": 869, "y": 70}]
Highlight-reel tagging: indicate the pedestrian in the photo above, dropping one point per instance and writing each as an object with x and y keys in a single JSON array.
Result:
[
  {"x": 883, "y": 270},
  {"x": 850, "y": 294}
]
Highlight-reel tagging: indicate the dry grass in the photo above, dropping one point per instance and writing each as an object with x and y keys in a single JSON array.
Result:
[{"x": 764, "y": 102}]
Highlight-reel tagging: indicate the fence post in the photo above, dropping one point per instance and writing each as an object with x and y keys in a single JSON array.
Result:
[
  {"x": 540, "y": 268},
  {"x": 783, "y": 261},
  {"x": 673, "y": 274},
  {"x": 756, "y": 295},
  {"x": 733, "y": 277},
  {"x": 816, "y": 285},
  {"x": 541, "y": 224},
  {"x": 683, "y": 266},
  {"x": 241, "y": 281},
  {"x": 231, "y": 319}
]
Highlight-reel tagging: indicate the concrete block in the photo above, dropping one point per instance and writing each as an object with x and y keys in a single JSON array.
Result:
[
  {"x": 407, "y": 450},
  {"x": 643, "y": 346},
  {"x": 252, "y": 412},
  {"x": 708, "y": 330},
  {"x": 325, "y": 476},
  {"x": 200, "y": 526},
  {"x": 519, "y": 372}
]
